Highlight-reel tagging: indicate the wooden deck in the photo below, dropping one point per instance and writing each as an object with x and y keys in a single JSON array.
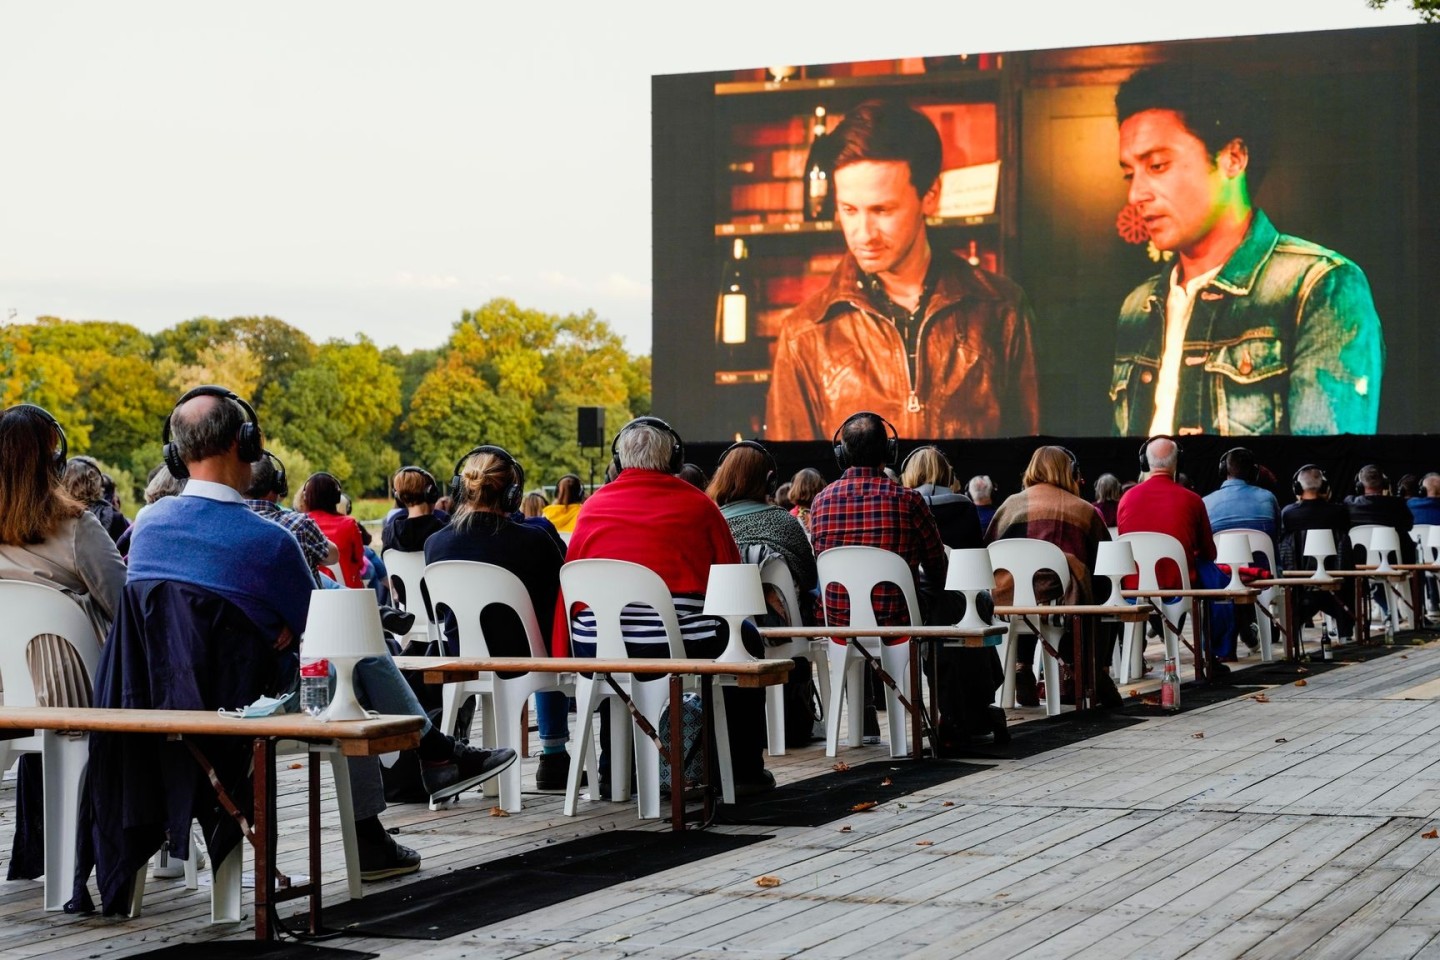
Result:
[{"x": 1284, "y": 828}]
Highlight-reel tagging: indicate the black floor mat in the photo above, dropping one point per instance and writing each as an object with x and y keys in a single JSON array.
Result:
[
  {"x": 252, "y": 950},
  {"x": 1050, "y": 733},
  {"x": 820, "y": 800},
  {"x": 453, "y": 903}
]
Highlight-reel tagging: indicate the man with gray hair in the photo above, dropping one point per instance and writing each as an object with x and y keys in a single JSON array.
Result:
[
  {"x": 1314, "y": 510},
  {"x": 648, "y": 515},
  {"x": 1161, "y": 505},
  {"x": 1426, "y": 507},
  {"x": 982, "y": 494}
]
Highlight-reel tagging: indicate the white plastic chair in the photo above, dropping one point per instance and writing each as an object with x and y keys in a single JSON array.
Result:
[
  {"x": 466, "y": 588},
  {"x": 30, "y": 611},
  {"x": 859, "y": 570},
  {"x": 407, "y": 591},
  {"x": 774, "y": 572},
  {"x": 1420, "y": 533},
  {"x": 607, "y": 587},
  {"x": 1150, "y": 549},
  {"x": 1269, "y": 598},
  {"x": 1360, "y": 537},
  {"x": 1023, "y": 558}
]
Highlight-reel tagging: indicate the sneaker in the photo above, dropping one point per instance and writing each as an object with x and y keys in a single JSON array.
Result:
[
  {"x": 470, "y": 766},
  {"x": 871, "y": 730},
  {"x": 553, "y": 772},
  {"x": 385, "y": 859}
]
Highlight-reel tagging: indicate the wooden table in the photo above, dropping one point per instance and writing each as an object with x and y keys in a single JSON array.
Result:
[
  {"x": 1201, "y": 650},
  {"x": 1360, "y": 577},
  {"x": 1292, "y": 587},
  {"x": 355, "y": 738},
  {"x": 751, "y": 673},
  {"x": 1084, "y": 616}
]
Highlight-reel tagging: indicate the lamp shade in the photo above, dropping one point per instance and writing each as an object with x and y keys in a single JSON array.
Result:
[
  {"x": 734, "y": 590},
  {"x": 1319, "y": 543},
  {"x": 343, "y": 624},
  {"x": 1233, "y": 549},
  {"x": 1115, "y": 558},
  {"x": 970, "y": 570},
  {"x": 1385, "y": 541}
]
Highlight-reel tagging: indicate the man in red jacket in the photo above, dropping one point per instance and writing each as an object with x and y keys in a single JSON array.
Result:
[{"x": 649, "y": 516}]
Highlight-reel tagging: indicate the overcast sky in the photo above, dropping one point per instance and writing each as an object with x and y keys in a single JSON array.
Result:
[{"x": 378, "y": 167}]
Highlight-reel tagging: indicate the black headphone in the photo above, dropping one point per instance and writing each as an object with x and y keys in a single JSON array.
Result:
[
  {"x": 677, "y": 446},
  {"x": 1324, "y": 490},
  {"x": 1360, "y": 486},
  {"x": 1074, "y": 466},
  {"x": 892, "y": 443},
  {"x": 1251, "y": 475},
  {"x": 772, "y": 477},
  {"x": 514, "y": 493},
  {"x": 1145, "y": 459},
  {"x": 280, "y": 486},
  {"x": 59, "y": 457},
  {"x": 308, "y": 496},
  {"x": 432, "y": 489},
  {"x": 249, "y": 439},
  {"x": 905, "y": 464}
]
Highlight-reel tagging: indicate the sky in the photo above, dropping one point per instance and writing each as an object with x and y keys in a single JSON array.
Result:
[{"x": 376, "y": 168}]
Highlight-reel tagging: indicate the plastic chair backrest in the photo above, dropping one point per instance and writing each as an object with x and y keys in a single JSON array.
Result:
[
  {"x": 406, "y": 568},
  {"x": 859, "y": 570},
  {"x": 1149, "y": 549},
  {"x": 1360, "y": 536},
  {"x": 606, "y": 587},
  {"x": 1420, "y": 533},
  {"x": 1024, "y": 557},
  {"x": 467, "y": 587},
  {"x": 31, "y": 610},
  {"x": 1260, "y": 542},
  {"x": 775, "y": 573}
]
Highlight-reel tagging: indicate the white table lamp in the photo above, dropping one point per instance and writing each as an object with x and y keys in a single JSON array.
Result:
[
  {"x": 1320, "y": 544},
  {"x": 1116, "y": 560},
  {"x": 735, "y": 592},
  {"x": 1233, "y": 550},
  {"x": 1384, "y": 541},
  {"x": 970, "y": 573},
  {"x": 344, "y": 628}
]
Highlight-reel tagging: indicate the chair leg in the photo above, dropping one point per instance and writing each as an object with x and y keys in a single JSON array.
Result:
[
  {"x": 225, "y": 887},
  {"x": 895, "y": 658},
  {"x": 1051, "y": 666},
  {"x": 647, "y": 754},
  {"x": 820, "y": 670},
  {"x": 1007, "y": 661},
  {"x": 137, "y": 891},
  {"x": 512, "y": 716},
  {"x": 63, "y": 761},
  {"x": 450, "y": 707},
  {"x": 837, "y": 655},
  {"x": 775, "y": 720},
  {"x": 490, "y": 739},
  {"x": 350, "y": 843},
  {"x": 586, "y": 697},
  {"x": 722, "y": 744}
]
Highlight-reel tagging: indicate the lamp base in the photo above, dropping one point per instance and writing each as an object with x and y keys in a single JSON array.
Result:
[
  {"x": 972, "y": 619},
  {"x": 343, "y": 705},
  {"x": 735, "y": 651}
]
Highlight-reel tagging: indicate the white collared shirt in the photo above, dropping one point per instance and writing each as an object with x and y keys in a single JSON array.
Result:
[
  {"x": 211, "y": 490},
  {"x": 1178, "y": 306}
]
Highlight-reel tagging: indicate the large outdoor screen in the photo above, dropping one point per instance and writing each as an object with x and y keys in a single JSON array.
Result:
[{"x": 1247, "y": 248}]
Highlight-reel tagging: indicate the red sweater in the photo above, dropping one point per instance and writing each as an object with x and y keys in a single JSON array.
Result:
[
  {"x": 654, "y": 519},
  {"x": 344, "y": 532},
  {"x": 1160, "y": 505}
]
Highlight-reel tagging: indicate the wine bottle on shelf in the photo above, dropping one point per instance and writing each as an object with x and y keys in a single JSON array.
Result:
[
  {"x": 819, "y": 197},
  {"x": 974, "y": 255},
  {"x": 733, "y": 303}
]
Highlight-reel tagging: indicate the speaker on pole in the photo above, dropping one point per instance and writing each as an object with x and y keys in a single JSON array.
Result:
[{"x": 590, "y": 426}]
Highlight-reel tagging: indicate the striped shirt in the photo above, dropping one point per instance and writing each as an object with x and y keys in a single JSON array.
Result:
[{"x": 645, "y": 631}]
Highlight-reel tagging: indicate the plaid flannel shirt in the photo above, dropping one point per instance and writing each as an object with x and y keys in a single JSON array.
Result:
[
  {"x": 865, "y": 508},
  {"x": 312, "y": 542}
]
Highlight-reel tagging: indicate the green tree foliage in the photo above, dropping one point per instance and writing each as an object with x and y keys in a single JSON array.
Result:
[{"x": 1429, "y": 10}]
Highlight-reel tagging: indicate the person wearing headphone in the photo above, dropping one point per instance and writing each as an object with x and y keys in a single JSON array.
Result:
[
  {"x": 84, "y": 480},
  {"x": 648, "y": 515},
  {"x": 1240, "y": 501},
  {"x": 928, "y": 473},
  {"x": 416, "y": 492},
  {"x": 569, "y": 498},
  {"x": 1314, "y": 510},
  {"x": 1373, "y": 503},
  {"x": 321, "y": 498},
  {"x": 267, "y": 486}
]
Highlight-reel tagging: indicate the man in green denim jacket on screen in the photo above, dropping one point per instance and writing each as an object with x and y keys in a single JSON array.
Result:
[{"x": 1251, "y": 331}]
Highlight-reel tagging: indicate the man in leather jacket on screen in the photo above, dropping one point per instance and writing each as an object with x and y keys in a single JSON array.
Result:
[
  {"x": 936, "y": 346},
  {"x": 1251, "y": 331}
]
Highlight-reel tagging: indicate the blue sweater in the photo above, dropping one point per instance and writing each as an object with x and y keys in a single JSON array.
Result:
[{"x": 224, "y": 547}]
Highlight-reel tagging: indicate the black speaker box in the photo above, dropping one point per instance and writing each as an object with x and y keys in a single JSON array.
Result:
[{"x": 591, "y": 426}]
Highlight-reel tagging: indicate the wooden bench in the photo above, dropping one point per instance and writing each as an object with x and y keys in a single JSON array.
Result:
[
  {"x": 355, "y": 738},
  {"x": 752, "y": 673}
]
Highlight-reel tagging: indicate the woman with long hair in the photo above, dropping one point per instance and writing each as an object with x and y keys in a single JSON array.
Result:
[
  {"x": 803, "y": 488},
  {"x": 1107, "y": 498},
  {"x": 85, "y": 482},
  {"x": 48, "y": 537},
  {"x": 321, "y": 497},
  {"x": 927, "y": 471},
  {"x": 569, "y": 498},
  {"x": 483, "y": 529}
]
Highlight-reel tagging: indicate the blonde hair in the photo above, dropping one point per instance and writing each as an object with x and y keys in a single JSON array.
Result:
[
  {"x": 927, "y": 465},
  {"x": 1052, "y": 465},
  {"x": 484, "y": 478}
]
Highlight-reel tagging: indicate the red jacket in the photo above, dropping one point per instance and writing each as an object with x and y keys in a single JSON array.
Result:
[
  {"x": 1160, "y": 505},
  {"x": 344, "y": 532},
  {"x": 654, "y": 519}
]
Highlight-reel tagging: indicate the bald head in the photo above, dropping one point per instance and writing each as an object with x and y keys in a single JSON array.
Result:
[
  {"x": 1431, "y": 484},
  {"x": 205, "y": 426},
  {"x": 1162, "y": 455}
]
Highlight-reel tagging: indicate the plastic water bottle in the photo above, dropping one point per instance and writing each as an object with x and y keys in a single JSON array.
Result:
[
  {"x": 1170, "y": 687},
  {"x": 314, "y": 686}
]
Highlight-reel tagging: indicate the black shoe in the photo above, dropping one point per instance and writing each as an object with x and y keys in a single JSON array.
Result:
[
  {"x": 1027, "y": 693},
  {"x": 998, "y": 727},
  {"x": 1105, "y": 693},
  {"x": 871, "y": 730},
  {"x": 764, "y": 782},
  {"x": 470, "y": 766},
  {"x": 384, "y": 859},
  {"x": 553, "y": 773}
]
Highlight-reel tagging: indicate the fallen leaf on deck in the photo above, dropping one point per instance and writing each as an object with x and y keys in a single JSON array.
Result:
[
  {"x": 498, "y": 812},
  {"x": 886, "y": 782},
  {"x": 768, "y": 881},
  {"x": 295, "y": 766},
  {"x": 1260, "y": 698},
  {"x": 1301, "y": 670},
  {"x": 924, "y": 843},
  {"x": 1302, "y": 682},
  {"x": 1404, "y": 656},
  {"x": 867, "y": 805},
  {"x": 1002, "y": 894},
  {"x": 845, "y": 829},
  {"x": 948, "y": 803},
  {"x": 1134, "y": 693},
  {"x": 1198, "y": 735},
  {"x": 840, "y": 767},
  {"x": 1150, "y": 701},
  {"x": 1431, "y": 834},
  {"x": 1281, "y": 740}
]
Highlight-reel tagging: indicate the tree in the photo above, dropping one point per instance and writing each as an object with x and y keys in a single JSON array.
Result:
[{"x": 1429, "y": 10}]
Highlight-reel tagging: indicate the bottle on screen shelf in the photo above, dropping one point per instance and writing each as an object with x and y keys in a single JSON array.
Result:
[
  {"x": 1170, "y": 687},
  {"x": 819, "y": 199},
  {"x": 314, "y": 686}
]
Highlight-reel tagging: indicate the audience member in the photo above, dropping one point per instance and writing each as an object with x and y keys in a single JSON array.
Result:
[
  {"x": 48, "y": 537},
  {"x": 86, "y": 483},
  {"x": 782, "y": 497},
  {"x": 1240, "y": 502},
  {"x": 534, "y": 504},
  {"x": 982, "y": 494},
  {"x": 1313, "y": 510},
  {"x": 803, "y": 487},
  {"x": 1425, "y": 508},
  {"x": 693, "y": 475},
  {"x": 569, "y": 498},
  {"x": 927, "y": 471},
  {"x": 866, "y": 508},
  {"x": 1373, "y": 504},
  {"x": 649, "y": 516},
  {"x": 1107, "y": 497},
  {"x": 267, "y": 485},
  {"x": 321, "y": 496},
  {"x": 416, "y": 492}
]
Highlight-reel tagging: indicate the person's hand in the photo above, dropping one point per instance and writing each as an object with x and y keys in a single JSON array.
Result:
[{"x": 286, "y": 638}]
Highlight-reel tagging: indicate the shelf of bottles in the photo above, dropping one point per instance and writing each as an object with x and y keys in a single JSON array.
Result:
[{"x": 776, "y": 237}]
